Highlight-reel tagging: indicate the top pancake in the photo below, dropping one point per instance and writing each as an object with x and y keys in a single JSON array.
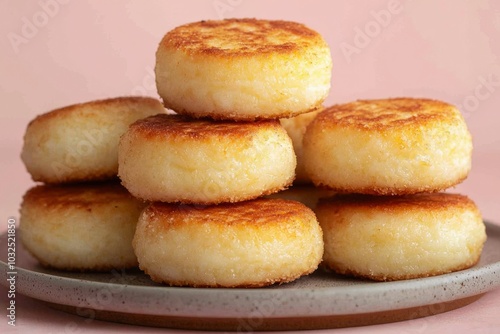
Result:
[
  {"x": 241, "y": 37},
  {"x": 243, "y": 69}
]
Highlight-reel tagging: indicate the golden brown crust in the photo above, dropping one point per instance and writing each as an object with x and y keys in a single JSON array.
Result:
[
  {"x": 232, "y": 199},
  {"x": 229, "y": 199},
  {"x": 387, "y": 113},
  {"x": 241, "y": 37},
  {"x": 394, "y": 190},
  {"x": 257, "y": 212},
  {"x": 393, "y": 204},
  {"x": 249, "y": 284},
  {"x": 118, "y": 102},
  {"x": 248, "y": 118},
  {"x": 81, "y": 195},
  {"x": 79, "y": 177},
  {"x": 177, "y": 126},
  {"x": 387, "y": 278}
]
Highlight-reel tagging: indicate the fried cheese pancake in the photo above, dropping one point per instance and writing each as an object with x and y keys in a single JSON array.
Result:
[
  {"x": 248, "y": 244},
  {"x": 173, "y": 158},
  {"x": 388, "y": 147},
  {"x": 80, "y": 142},
  {"x": 388, "y": 238},
  {"x": 243, "y": 69},
  {"x": 80, "y": 227}
]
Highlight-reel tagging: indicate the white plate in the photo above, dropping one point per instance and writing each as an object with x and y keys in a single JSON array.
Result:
[{"x": 321, "y": 300}]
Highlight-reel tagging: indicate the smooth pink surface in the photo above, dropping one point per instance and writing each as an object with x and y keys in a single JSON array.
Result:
[{"x": 56, "y": 53}]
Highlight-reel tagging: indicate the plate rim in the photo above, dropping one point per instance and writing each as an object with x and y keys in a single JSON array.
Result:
[{"x": 307, "y": 301}]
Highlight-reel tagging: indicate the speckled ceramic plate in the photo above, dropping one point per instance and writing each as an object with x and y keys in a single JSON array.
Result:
[{"x": 320, "y": 300}]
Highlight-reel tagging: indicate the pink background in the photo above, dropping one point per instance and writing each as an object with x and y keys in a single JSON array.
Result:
[{"x": 56, "y": 53}]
